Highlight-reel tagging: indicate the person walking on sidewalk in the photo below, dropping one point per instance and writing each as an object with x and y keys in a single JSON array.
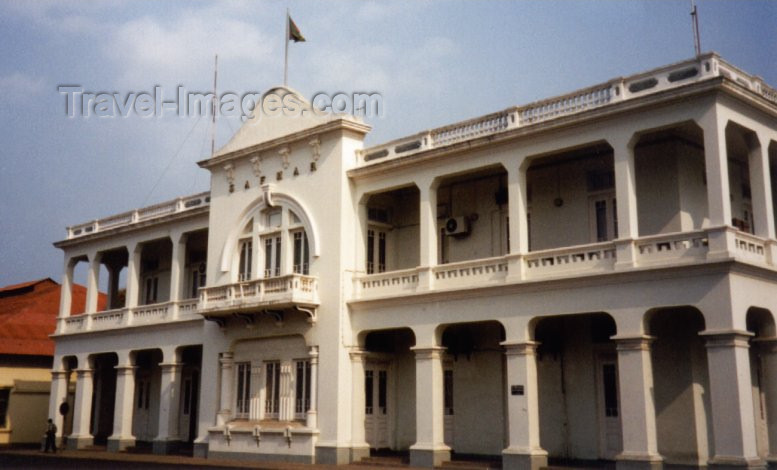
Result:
[{"x": 51, "y": 435}]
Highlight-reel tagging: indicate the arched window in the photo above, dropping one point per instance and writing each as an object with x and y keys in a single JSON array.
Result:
[{"x": 273, "y": 243}]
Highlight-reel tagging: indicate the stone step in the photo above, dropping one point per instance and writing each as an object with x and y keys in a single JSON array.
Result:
[
  {"x": 471, "y": 465},
  {"x": 384, "y": 461}
]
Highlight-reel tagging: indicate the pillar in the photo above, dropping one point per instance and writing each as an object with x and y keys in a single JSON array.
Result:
[
  {"x": 133, "y": 275},
  {"x": 518, "y": 222},
  {"x": 227, "y": 378},
  {"x": 428, "y": 234},
  {"x": 638, "y": 413},
  {"x": 761, "y": 187},
  {"x": 122, "y": 413},
  {"x": 768, "y": 351},
  {"x": 312, "y": 421},
  {"x": 66, "y": 291},
  {"x": 359, "y": 446},
  {"x": 167, "y": 436},
  {"x": 57, "y": 396},
  {"x": 286, "y": 407},
  {"x": 82, "y": 410},
  {"x": 523, "y": 451},
  {"x": 93, "y": 283},
  {"x": 429, "y": 449},
  {"x": 626, "y": 197},
  {"x": 177, "y": 270},
  {"x": 731, "y": 396}
]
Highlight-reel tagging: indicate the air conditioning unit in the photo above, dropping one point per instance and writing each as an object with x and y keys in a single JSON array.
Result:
[{"x": 457, "y": 226}]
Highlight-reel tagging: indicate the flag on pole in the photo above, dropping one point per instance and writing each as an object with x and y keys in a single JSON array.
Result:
[{"x": 294, "y": 34}]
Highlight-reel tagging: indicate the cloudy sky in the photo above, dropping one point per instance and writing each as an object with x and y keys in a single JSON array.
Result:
[{"x": 432, "y": 62}]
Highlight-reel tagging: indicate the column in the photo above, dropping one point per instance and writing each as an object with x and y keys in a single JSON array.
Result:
[
  {"x": 133, "y": 275},
  {"x": 286, "y": 408},
  {"x": 57, "y": 396},
  {"x": 638, "y": 413},
  {"x": 82, "y": 410},
  {"x": 66, "y": 292},
  {"x": 93, "y": 283},
  {"x": 518, "y": 229},
  {"x": 167, "y": 436},
  {"x": 122, "y": 413},
  {"x": 731, "y": 396},
  {"x": 768, "y": 350},
  {"x": 430, "y": 449},
  {"x": 177, "y": 270},
  {"x": 761, "y": 187},
  {"x": 523, "y": 420},
  {"x": 312, "y": 421},
  {"x": 718, "y": 190},
  {"x": 227, "y": 378},
  {"x": 359, "y": 446},
  {"x": 428, "y": 234},
  {"x": 626, "y": 197}
]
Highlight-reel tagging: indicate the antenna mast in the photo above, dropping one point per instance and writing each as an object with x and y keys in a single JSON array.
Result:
[
  {"x": 695, "y": 23},
  {"x": 214, "y": 109}
]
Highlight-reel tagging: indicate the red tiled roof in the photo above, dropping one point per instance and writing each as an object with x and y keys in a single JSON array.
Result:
[{"x": 28, "y": 315}]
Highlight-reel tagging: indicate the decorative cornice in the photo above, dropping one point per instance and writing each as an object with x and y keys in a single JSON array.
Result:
[{"x": 338, "y": 124}]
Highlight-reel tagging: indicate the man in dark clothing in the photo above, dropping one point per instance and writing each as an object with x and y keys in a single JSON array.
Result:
[{"x": 51, "y": 435}]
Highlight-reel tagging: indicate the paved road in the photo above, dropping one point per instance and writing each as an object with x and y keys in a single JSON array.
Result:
[{"x": 16, "y": 461}]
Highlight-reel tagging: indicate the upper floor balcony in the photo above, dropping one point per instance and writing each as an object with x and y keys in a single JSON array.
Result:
[
  {"x": 686, "y": 183},
  {"x": 273, "y": 295},
  {"x": 622, "y": 89},
  {"x": 151, "y": 262}
]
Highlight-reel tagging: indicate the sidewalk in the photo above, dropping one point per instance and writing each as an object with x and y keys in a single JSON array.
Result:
[{"x": 176, "y": 460}]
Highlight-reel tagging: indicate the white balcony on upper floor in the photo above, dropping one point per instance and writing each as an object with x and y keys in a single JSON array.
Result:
[
  {"x": 656, "y": 251},
  {"x": 273, "y": 295}
]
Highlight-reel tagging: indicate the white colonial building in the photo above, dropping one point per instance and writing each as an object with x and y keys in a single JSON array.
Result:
[{"x": 588, "y": 277}]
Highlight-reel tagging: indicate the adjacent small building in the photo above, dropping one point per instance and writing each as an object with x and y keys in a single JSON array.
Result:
[{"x": 28, "y": 315}]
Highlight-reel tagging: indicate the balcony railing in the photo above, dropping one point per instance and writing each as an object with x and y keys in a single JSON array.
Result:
[
  {"x": 664, "y": 250},
  {"x": 153, "y": 314},
  {"x": 705, "y": 67},
  {"x": 275, "y": 293},
  {"x": 182, "y": 204}
]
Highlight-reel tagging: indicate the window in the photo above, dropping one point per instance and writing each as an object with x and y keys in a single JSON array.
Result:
[
  {"x": 272, "y": 389},
  {"x": 274, "y": 219},
  {"x": 152, "y": 288},
  {"x": 301, "y": 255},
  {"x": 187, "y": 396},
  {"x": 198, "y": 280},
  {"x": 243, "y": 389},
  {"x": 272, "y": 256},
  {"x": 144, "y": 394},
  {"x": 368, "y": 399},
  {"x": 261, "y": 251},
  {"x": 448, "y": 392},
  {"x": 302, "y": 392},
  {"x": 376, "y": 251},
  {"x": 246, "y": 250},
  {"x": 5, "y": 396},
  {"x": 610, "y": 379},
  {"x": 603, "y": 217}
]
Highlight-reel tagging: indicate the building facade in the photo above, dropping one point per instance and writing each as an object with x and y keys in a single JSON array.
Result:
[{"x": 587, "y": 277}]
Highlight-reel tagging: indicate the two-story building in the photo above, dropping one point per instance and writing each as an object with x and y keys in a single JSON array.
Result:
[{"x": 587, "y": 277}]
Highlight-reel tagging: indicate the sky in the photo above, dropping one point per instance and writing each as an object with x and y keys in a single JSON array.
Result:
[{"x": 432, "y": 62}]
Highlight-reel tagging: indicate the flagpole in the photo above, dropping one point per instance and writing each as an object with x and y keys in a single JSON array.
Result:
[
  {"x": 695, "y": 24},
  {"x": 286, "y": 54}
]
